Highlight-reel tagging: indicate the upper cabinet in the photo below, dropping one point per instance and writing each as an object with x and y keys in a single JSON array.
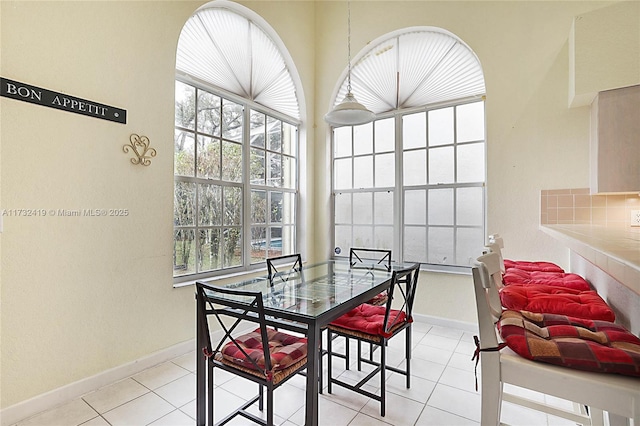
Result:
[
  {"x": 615, "y": 141},
  {"x": 604, "y": 51}
]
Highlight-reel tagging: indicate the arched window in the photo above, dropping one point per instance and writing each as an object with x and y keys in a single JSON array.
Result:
[
  {"x": 236, "y": 144},
  {"x": 413, "y": 180}
]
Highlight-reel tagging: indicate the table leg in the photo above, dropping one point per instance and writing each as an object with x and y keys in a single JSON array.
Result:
[
  {"x": 313, "y": 371},
  {"x": 201, "y": 368}
]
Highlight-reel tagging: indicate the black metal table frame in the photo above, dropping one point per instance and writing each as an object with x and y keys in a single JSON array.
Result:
[{"x": 314, "y": 326}]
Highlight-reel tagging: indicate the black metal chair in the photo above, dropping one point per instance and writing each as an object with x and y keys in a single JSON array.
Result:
[
  {"x": 370, "y": 258},
  {"x": 282, "y": 266},
  {"x": 377, "y": 325},
  {"x": 263, "y": 355},
  {"x": 367, "y": 258}
]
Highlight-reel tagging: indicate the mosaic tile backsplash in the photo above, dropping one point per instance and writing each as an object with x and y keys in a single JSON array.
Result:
[{"x": 577, "y": 206}]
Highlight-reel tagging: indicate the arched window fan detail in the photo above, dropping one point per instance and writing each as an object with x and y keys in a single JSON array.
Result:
[
  {"x": 245, "y": 62},
  {"x": 418, "y": 67}
]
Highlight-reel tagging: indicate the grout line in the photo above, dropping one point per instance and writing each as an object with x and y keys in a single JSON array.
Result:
[{"x": 438, "y": 382}]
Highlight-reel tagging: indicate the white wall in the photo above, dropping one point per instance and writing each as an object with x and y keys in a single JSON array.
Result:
[
  {"x": 83, "y": 295},
  {"x": 534, "y": 141}
]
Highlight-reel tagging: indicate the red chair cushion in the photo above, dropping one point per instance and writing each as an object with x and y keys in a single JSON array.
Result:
[
  {"x": 532, "y": 266},
  {"x": 369, "y": 319},
  {"x": 556, "y": 300},
  {"x": 285, "y": 350},
  {"x": 582, "y": 344},
  {"x": 559, "y": 279}
]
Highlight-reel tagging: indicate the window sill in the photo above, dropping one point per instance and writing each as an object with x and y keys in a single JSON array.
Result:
[{"x": 235, "y": 276}]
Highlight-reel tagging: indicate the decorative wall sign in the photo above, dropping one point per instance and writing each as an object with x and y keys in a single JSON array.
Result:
[
  {"x": 140, "y": 147},
  {"x": 39, "y": 96}
]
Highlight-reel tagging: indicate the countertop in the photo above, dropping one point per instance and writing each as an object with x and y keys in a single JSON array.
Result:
[{"x": 616, "y": 250}]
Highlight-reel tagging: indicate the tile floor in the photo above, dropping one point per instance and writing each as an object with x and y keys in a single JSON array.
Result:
[{"x": 442, "y": 393}]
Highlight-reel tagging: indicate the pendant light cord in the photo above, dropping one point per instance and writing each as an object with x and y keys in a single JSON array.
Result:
[
  {"x": 349, "y": 45},
  {"x": 349, "y": 112}
]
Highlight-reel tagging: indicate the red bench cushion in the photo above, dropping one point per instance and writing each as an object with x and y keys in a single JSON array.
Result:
[
  {"x": 560, "y": 279},
  {"x": 369, "y": 319},
  {"x": 582, "y": 344},
  {"x": 556, "y": 300},
  {"x": 285, "y": 350},
  {"x": 532, "y": 266}
]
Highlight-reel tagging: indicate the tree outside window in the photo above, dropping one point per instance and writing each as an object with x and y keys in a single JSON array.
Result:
[{"x": 211, "y": 183}]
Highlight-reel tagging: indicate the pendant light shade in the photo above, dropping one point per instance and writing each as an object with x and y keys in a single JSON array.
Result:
[{"x": 349, "y": 112}]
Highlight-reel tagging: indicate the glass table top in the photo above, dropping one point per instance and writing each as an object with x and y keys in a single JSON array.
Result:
[{"x": 314, "y": 290}]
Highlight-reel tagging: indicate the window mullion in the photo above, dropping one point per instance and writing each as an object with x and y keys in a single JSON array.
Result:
[
  {"x": 246, "y": 185},
  {"x": 456, "y": 183},
  {"x": 196, "y": 208},
  {"x": 398, "y": 199}
]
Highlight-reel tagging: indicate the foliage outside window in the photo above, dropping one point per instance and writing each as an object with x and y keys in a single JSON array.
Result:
[{"x": 235, "y": 183}]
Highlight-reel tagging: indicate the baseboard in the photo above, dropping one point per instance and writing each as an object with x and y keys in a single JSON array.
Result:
[
  {"x": 446, "y": 322},
  {"x": 67, "y": 393}
]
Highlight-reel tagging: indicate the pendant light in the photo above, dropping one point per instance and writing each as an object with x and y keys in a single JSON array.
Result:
[{"x": 349, "y": 112}]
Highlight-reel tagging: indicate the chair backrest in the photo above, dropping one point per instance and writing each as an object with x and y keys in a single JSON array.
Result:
[
  {"x": 231, "y": 308},
  {"x": 282, "y": 266},
  {"x": 404, "y": 283},
  {"x": 496, "y": 248},
  {"x": 486, "y": 319},
  {"x": 370, "y": 258},
  {"x": 497, "y": 239},
  {"x": 493, "y": 282},
  {"x": 495, "y": 266}
]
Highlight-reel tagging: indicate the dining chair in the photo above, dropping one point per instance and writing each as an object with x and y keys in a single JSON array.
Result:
[
  {"x": 377, "y": 325},
  {"x": 262, "y": 354},
  {"x": 371, "y": 259},
  {"x": 545, "y": 297},
  {"x": 368, "y": 258},
  {"x": 500, "y": 365},
  {"x": 497, "y": 244},
  {"x": 282, "y": 266},
  {"x": 526, "y": 272}
]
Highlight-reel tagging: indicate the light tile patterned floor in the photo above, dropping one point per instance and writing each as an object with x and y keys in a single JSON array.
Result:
[{"x": 442, "y": 393}]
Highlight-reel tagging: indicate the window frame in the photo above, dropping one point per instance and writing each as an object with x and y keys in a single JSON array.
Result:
[
  {"x": 400, "y": 188},
  {"x": 245, "y": 184}
]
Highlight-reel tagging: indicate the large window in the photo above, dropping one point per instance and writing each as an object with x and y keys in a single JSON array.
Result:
[
  {"x": 365, "y": 184},
  {"x": 273, "y": 183},
  {"x": 214, "y": 137},
  {"x": 443, "y": 171},
  {"x": 418, "y": 191},
  {"x": 237, "y": 120},
  {"x": 208, "y": 182},
  {"x": 412, "y": 181}
]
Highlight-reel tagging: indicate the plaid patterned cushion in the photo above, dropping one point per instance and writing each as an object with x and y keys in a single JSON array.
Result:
[
  {"x": 379, "y": 299},
  {"x": 285, "y": 350},
  {"x": 582, "y": 344},
  {"x": 556, "y": 300},
  {"x": 369, "y": 319},
  {"x": 559, "y": 279},
  {"x": 532, "y": 266}
]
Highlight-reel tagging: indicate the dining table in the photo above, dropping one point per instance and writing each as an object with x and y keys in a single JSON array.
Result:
[{"x": 307, "y": 300}]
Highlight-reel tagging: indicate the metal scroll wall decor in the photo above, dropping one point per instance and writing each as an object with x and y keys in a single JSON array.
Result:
[{"x": 140, "y": 147}]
